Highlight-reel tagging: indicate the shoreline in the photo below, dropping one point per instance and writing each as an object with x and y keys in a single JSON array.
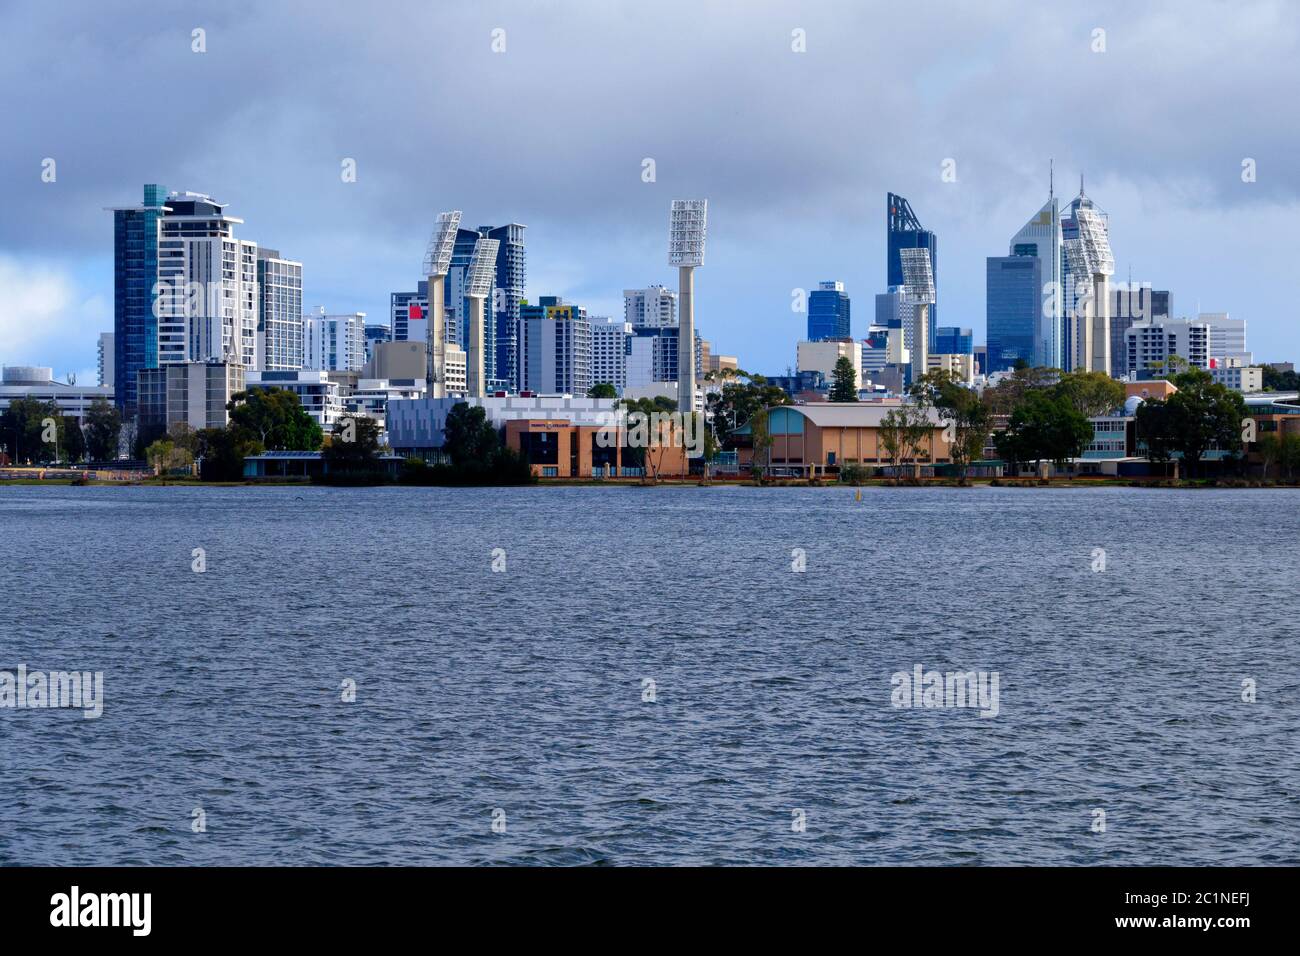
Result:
[{"x": 1163, "y": 483}]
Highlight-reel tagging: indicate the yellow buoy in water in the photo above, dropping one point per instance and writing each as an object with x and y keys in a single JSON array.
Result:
[{"x": 857, "y": 495}]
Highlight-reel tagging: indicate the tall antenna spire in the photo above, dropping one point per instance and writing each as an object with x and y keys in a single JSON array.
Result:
[
  {"x": 1051, "y": 178},
  {"x": 1081, "y": 184}
]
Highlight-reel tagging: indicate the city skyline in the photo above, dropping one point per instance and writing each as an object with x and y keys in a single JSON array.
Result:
[{"x": 1181, "y": 217}]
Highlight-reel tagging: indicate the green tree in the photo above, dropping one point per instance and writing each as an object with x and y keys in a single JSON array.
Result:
[
  {"x": 967, "y": 418},
  {"x": 1289, "y": 453},
  {"x": 1170, "y": 367},
  {"x": 1276, "y": 380},
  {"x": 845, "y": 386},
  {"x": 1203, "y": 415},
  {"x": 103, "y": 430},
  {"x": 23, "y": 429},
  {"x": 1153, "y": 430},
  {"x": 1091, "y": 393},
  {"x": 602, "y": 390},
  {"x": 468, "y": 436},
  {"x": 275, "y": 418},
  {"x": 223, "y": 451},
  {"x": 762, "y": 440},
  {"x": 353, "y": 447},
  {"x": 651, "y": 459},
  {"x": 737, "y": 398},
  {"x": 1269, "y": 447},
  {"x": 1010, "y": 392},
  {"x": 1044, "y": 427},
  {"x": 73, "y": 440},
  {"x": 902, "y": 434},
  {"x": 165, "y": 456}
]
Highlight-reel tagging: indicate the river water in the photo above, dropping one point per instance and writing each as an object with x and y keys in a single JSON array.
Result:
[{"x": 639, "y": 676}]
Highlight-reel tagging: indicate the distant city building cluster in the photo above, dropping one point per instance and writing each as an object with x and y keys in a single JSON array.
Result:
[{"x": 203, "y": 312}]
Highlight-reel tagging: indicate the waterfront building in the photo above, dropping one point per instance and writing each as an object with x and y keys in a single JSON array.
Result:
[
  {"x": 509, "y": 288},
  {"x": 960, "y": 366},
  {"x": 825, "y": 436},
  {"x": 36, "y": 382},
  {"x": 1235, "y": 375},
  {"x": 651, "y": 355},
  {"x": 396, "y": 360},
  {"x": 1040, "y": 238},
  {"x": 455, "y": 370},
  {"x": 135, "y": 276},
  {"x": 719, "y": 362},
  {"x": 1013, "y": 296},
  {"x": 208, "y": 303},
  {"x": 279, "y": 313},
  {"x": 828, "y": 312},
  {"x": 554, "y": 343},
  {"x": 654, "y": 307},
  {"x": 375, "y": 335},
  {"x": 609, "y": 338},
  {"x": 334, "y": 343},
  {"x": 186, "y": 289},
  {"x": 1227, "y": 335},
  {"x": 107, "y": 357},
  {"x": 405, "y": 306},
  {"x": 904, "y": 231},
  {"x": 319, "y": 396},
  {"x": 1151, "y": 344},
  {"x": 822, "y": 357},
  {"x": 802, "y": 386},
  {"x": 195, "y": 394},
  {"x": 1130, "y": 303},
  {"x": 557, "y": 433},
  {"x": 1087, "y": 297},
  {"x": 894, "y": 311},
  {"x": 952, "y": 340}
]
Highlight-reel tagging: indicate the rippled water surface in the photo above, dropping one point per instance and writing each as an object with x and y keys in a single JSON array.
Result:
[{"x": 523, "y": 690}]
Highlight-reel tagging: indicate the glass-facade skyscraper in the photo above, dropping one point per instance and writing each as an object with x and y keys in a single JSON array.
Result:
[
  {"x": 1041, "y": 236},
  {"x": 1013, "y": 287},
  {"x": 135, "y": 273},
  {"x": 828, "y": 312},
  {"x": 508, "y": 291},
  {"x": 950, "y": 340},
  {"x": 903, "y": 231}
]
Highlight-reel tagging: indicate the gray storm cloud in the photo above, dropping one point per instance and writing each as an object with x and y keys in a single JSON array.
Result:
[{"x": 794, "y": 150}]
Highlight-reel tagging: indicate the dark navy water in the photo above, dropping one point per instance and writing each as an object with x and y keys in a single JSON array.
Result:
[{"x": 521, "y": 690}]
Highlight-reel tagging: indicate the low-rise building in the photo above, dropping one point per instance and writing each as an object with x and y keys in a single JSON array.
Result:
[
  {"x": 318, "y": 395},
  {"x": 37, "y": 382},
  {"x": 1240, "y": 378},
  {"x": 396, "y": 360},
  {"x": 415, "y": 426},
  {"x": 960, "y": 365},
  {"x": 188, "y": 393},
  {"x": 822, "y": 356},
  {"x": 824, "y": 437}
]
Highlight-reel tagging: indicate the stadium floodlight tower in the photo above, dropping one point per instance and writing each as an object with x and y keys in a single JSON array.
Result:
[
  {"x": 918, "y": 290},
  {"x": 437, "y": 260},
  {"x": 1090, "y": 255},
  {"x": 1101, "y": 266},
  {"x": 478, "y": 286},
  {"x": 686, "y": 231}
]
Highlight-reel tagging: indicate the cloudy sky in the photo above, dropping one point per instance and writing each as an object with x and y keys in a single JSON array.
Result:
[{"x": 795, "y": 151}]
